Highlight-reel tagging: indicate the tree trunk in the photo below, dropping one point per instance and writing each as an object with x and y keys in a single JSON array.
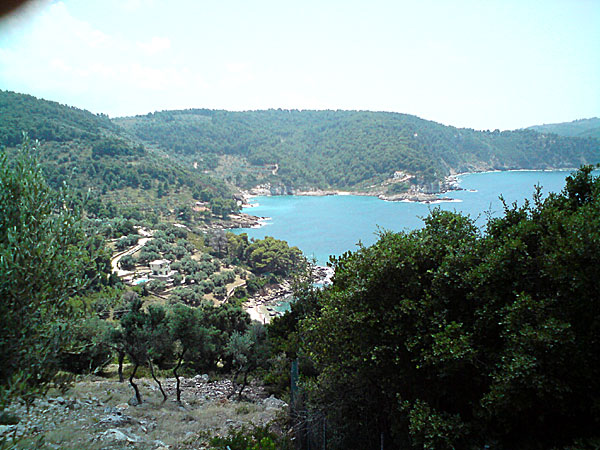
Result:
[
  {"x": 177, "y": 376},
  {"x": 234, "y": 387},
  {"x": 156, "y": 379},
  {"x": 138, "y": 397},
  {"x": 120, "y": 370},
  {"x": 244, "y": 384}
]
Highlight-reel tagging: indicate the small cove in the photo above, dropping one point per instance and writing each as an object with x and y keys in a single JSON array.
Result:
[{"x": 332, "y": 225}]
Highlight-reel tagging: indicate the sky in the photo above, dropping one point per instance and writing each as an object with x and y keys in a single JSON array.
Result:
[{"x": 494, "y": 64}]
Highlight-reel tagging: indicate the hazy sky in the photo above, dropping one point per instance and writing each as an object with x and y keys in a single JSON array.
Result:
[{"x": 481, "y": 64}]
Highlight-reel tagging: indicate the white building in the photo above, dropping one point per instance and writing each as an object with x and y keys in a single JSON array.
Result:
[{"x": 161, "y": 269}]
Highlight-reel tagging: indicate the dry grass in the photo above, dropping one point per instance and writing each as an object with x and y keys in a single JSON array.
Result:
[{"x": 81, "y": 422}]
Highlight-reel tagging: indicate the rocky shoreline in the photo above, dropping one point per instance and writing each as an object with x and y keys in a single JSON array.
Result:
[
  {"x": 262, "y": 307},
  {"x": 239, "y": 220},
  {"x": 416, "y": 194},
  {"x": 415, "y": 197},
  {"x": 244, "y": 220}
]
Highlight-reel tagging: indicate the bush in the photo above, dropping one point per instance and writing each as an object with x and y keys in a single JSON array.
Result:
[
  {"x": 220, "y": 292},
  {"x": 156, "y": 285},
  {"x": 127, "y": 262},
  {"x": 257, "y": 438},
  {"x": 90, "y": 349},
  {"x": 46, "y": 259},
  {"x": 474, "y": 339},
  {"x": 127, "y": 241}
]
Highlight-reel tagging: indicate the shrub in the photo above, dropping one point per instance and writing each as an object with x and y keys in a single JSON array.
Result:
[
  {"x": 127, "y": 262},
  {"x": 257, "y": 438}
]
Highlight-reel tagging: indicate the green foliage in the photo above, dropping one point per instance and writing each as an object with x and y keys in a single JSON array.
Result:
[
  {"x": 135, "y": 334},
  {"x": 47, "y": 121},
  {"x": 190, "y": 332},
  {"x": 127, "y": 241},
  {"x": 89, "y": 349},
  {"x": 579, "y": 128},
  {"x": 45, "y": 259},
  {"x": 191, "y": 337},
  {"x": 90, "y": 152},
  {"x": 270, "y": 255},
  {"x": 257, "y": 438},
  {"x": 146, "y": 339},
  {"x": 159, "y": 340},
  {"x": 249, "y": 351},
  {"x": 236, "y": 246},
  {"x": 222, "y": 207},
  {"x": 348, "y": 149},
  {"x": 286, "y": 337},
  {"x": 133, "y": 337},
  {"x": 448, "y": 338},
  {"x": 114, "y": 147},
  {"x": 127, "y": 262}
]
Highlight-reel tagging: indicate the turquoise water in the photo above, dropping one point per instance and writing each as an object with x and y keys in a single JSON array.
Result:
[{"x": 323, "y": 226}]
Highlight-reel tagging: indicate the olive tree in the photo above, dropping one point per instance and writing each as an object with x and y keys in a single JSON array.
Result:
[{"x": 45, "y": 260}]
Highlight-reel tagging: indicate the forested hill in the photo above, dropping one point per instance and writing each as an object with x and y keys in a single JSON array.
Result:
[
  {"x": 576, "y": 128},
  {"x": 153, "y": 159},
  {"x": 90, "y": 152},
  {"x": 348, "y": 149},
  {"x": 47, "y": 120}
]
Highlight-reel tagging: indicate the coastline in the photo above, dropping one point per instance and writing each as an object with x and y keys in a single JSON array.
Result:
[
  {"x": 450, "y": 183},
  {"x": 562, "y": 169},
  {"x": 411, "y": 196},
  {"x": 262, "y": 306},
  {"x": 265, "y": 306}
]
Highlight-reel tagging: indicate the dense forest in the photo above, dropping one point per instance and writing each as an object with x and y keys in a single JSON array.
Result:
[
  {"x": 350, "y": 149},
  {"x": 95, "y": 156},
  {"x": 577, "y": 128},
  {"x": 209, "y": 153}
]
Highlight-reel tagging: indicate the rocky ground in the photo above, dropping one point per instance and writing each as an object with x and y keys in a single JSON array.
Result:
[
  {"x": 417, "y": 197},
  {"x": 240, "y": 220},
  {"x": 96, "y": 414}
]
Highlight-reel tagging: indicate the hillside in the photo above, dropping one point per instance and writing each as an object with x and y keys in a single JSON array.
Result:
[
  {"x": 576, "y": 128},
  {"x": 346, "y": 149},
  {"x": 92, "y": 154},
  {"x": 449, "y": 336},
  {"x": 165, "y": 161}
]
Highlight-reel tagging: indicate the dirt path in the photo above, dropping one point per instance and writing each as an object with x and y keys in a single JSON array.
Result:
[{"x": 114, "y": 261}]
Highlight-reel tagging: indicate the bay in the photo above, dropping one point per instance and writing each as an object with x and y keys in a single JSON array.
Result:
[{"x": 332, "y": 225}]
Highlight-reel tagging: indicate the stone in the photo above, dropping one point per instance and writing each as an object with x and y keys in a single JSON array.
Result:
[
  {"x": 119, "y": 436},
  {"x": 116, "y": 420},
  {"x": 7, "y": 429},
  {"x": 273, "y": 402},
  {"x": 112, "y": 410},
  {"x": 74, "y": 406}
]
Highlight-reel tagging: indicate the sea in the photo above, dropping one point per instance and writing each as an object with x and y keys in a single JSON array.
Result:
[{"x": 331, "y": 225}]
